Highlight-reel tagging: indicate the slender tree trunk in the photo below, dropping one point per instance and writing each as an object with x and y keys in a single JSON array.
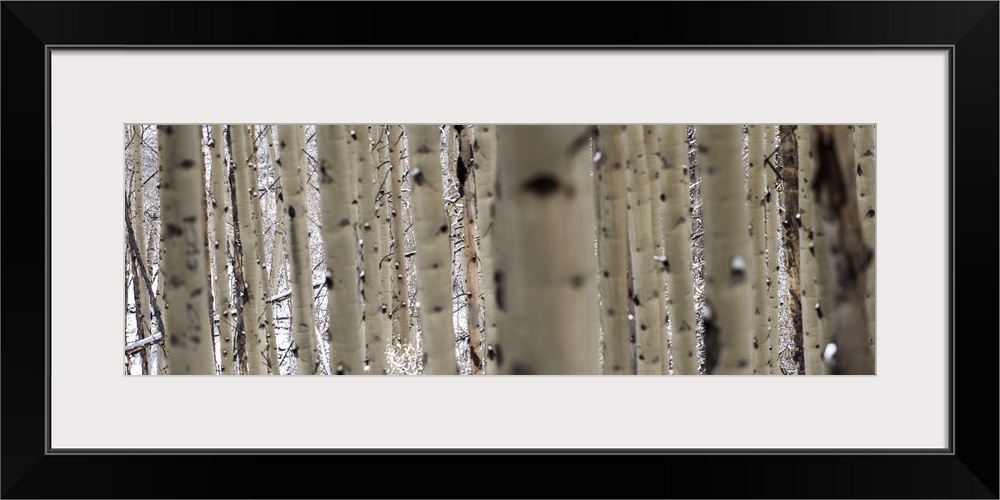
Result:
[
  {"x": 808, "y": 217},
  {"x": 139, "y": 223},
  {"x": 278, "y": 247},
  {"x": 371, "y": 292},
  {"x": 188, "y": 333},
  {"x": 253, "y": 301},
  {"x": 613, "y": 250},
  {"x": 221, "y": 245},
  {"x": 162, "y": 363},
  {"x": 848, "y": 254},
  {"x": 290, "y": 142},
  {"x": 728, "y": 297},
  {"x": 336, "y": 174},
  {"x": 433, "y": 251},
  {"x": 675, "y": 181},
  {"x": 467, "y": 178},
  {"x": 792, "y": 225},
  {"x": 484, "y": 149},
  {"x": 238, "y": 300},
  {"x": 269, "y": 345},
  {"x": 864, "y": 154},
  {"x": 400, "y": 298},
  {"x": 654, "y": 162},
  {"x": 381, "y": 161},
  {"x": 546, "y": 267},
  {"x": 773, "y": 230},
  {"x": 757, "y": 208},
  {"x": 650, "y": 345}
]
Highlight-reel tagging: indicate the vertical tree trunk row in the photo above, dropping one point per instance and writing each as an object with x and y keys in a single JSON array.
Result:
[
  {"x": 139, "y": 225},
  {"x": 485, "y": 153},
  {"x": 757, "y": 207}
]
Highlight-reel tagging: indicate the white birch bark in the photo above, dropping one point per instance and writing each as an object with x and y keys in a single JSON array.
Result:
[
  {"x": 290, "y": 161},
  {"x": 728, "y": 314},
  {"x": 433, "y": 251},
  {"x": 546, "y": 264},
  {"x": 188, "y": 333}
]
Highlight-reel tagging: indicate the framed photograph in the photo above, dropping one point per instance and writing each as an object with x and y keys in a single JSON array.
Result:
[{"x": 924, "y": 73}]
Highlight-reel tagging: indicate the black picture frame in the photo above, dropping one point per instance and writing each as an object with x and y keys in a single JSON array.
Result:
[{"x": 968, "y": 469}]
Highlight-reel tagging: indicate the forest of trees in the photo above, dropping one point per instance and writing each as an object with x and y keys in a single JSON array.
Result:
[{"x": 500, "y": 249}]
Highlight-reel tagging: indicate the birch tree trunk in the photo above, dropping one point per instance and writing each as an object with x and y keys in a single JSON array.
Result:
[
  {"x": 278, "y": 247},
  {"x": 270, "y": 345},
  {"x": 188, "y": 333},
  {"x": 650, "y": 345},
  {"x": 433, "y": 251},
  {"x": 400, "y": 298},
  {"x": 728, "y": 298},
  {"x": 484, "y": 149},
  {"x": 675, "y": 181},
  {"x": 253, "y": 301},
  {"x": 811, "y": 330},
  {"x": 162, "y": 363},
  {"x": 336, "y": 174},
  {"x": 381, "y": 171},
  {"x": 467, "y": 179},
  {"x": 139, "y": 223},
  {"x": 864, "y": 153},
  {"x": 792, "y": 225},
  {"x": 290, "y": 142},
  {"x": 546, "y": 266},
  {"x": 371, "y": 290},
  {"x": 223, "y": 292},
  {"x": 613, "y": 250},
  {"x": 773, "y": 230},
  {"x": 655, "y": 164},
  {"x": 757, "y": 207},
  {"x": 850, "y": 352}
]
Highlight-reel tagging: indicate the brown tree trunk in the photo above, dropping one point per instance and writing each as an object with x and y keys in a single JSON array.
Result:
[
  {"x": 847, "y": 255},
  {"x": 790, "y": 226}
]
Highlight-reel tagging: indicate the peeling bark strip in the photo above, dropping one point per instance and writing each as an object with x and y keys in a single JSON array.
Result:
[
  {"x": 547, "y": 258},
  {"x": 290, "y": 141},
  {"x": 336, "y": 173},
  {"x": 728, "y": 297},
  {"x": 848, "y": 255},
  {"x": 433, "y": 250},
  {"x": 790, "y": 226},
  {"x": 220, "y": 248},
  {"x": 613, "y": 250},
  {"x": 182, "y": 188}
]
